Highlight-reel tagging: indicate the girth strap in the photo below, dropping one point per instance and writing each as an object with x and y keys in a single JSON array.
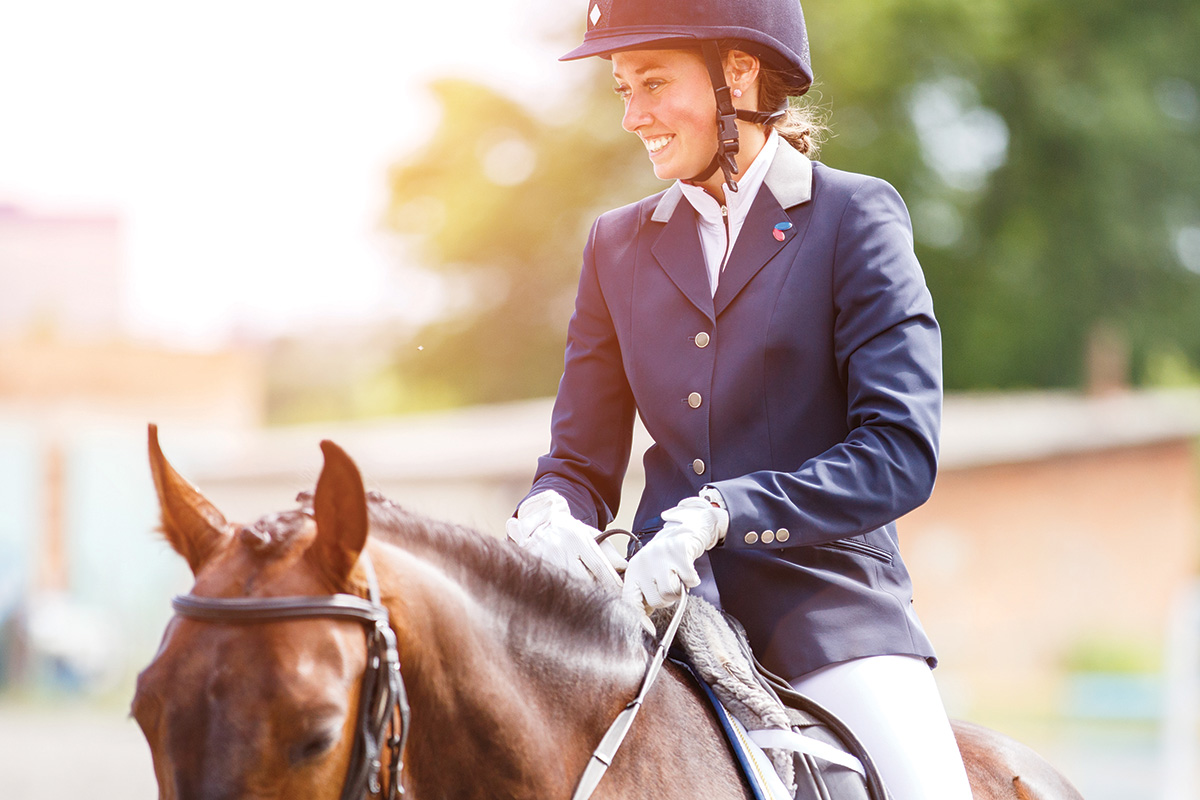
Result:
[{"x": 776, "y": 739}]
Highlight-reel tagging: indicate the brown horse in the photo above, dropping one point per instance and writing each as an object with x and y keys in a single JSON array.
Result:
[{"x": 513, "y": 672}]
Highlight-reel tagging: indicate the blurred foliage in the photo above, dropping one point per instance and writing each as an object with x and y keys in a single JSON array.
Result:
[
  {"x": 502, "y": 199},
  {"x": 1108, "y": 654},
  {"x": 1049, "y": 154}
]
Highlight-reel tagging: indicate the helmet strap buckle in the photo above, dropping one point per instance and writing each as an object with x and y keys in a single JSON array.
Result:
[{"x": 727, "y": 116}]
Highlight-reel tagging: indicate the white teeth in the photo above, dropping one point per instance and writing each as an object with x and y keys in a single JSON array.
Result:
[{"x": 657, "y": 143}]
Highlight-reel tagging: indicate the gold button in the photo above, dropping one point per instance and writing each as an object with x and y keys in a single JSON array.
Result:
[
  {"x": 698, "y": 467},
  {"x": 768, "y": 537},
  {"x": 782, "y": 535},
  {"x": 751, "y": 537},
  {"x": 694, "y": 399},
  {"x": 701, "y": 339}
]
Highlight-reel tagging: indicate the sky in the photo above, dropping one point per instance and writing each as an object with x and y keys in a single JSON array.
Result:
[{"x": 245, "y": 143}]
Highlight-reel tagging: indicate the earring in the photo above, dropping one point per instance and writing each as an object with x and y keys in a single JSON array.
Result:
[{"x": 737, "y": 92}]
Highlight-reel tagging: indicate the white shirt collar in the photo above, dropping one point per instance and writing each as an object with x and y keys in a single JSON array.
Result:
[{"x": 714, "y": 241}]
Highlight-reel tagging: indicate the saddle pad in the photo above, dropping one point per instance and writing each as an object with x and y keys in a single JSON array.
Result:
[{"x": 756, "y": 767}]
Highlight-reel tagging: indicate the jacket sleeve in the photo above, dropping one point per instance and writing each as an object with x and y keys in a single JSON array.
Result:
[
  {"x": 887, "y": 348},
  {"x": 591, "y": 429}
]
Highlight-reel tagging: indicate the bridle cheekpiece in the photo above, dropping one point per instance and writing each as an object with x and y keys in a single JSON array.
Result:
[{"x": 383, "y": 703}]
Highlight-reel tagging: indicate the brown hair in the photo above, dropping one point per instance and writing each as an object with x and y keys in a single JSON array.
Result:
[{"x": 801, "y": 125}]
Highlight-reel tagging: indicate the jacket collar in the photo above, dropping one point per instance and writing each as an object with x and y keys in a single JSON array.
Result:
[
  {"x": 677, "y": 248},
  {"x": 789, "y": 178}
]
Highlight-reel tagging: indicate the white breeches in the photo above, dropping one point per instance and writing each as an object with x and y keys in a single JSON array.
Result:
[{"x": 893, "y": 706}]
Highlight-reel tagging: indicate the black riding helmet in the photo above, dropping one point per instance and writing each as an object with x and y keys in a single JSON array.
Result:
[{"x": 772, "y": 30}]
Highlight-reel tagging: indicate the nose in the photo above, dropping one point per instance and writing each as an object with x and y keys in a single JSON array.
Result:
[{"x": 636, "y": 113}]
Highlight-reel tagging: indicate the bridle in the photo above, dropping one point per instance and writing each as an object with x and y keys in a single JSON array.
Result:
[{"x": 383, "y": 703}]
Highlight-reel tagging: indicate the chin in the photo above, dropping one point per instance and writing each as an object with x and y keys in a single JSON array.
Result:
[{"x": 665, "y": 172}]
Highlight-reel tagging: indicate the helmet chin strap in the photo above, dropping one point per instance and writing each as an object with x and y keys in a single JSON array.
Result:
[
  {"x": 727, "y": 117},
  {"x": 727, "y": 132}
]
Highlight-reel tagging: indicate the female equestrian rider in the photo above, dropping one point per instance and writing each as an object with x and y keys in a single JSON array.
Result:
[{"x": 767, "y": 318}]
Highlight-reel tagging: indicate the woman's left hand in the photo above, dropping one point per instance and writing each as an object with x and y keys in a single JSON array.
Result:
[{"x": 658, "y": 572}]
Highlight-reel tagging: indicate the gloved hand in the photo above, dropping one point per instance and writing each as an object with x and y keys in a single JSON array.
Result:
[
  {"x": 544, "y": 526},
  {"x": 658, "y": 572}
]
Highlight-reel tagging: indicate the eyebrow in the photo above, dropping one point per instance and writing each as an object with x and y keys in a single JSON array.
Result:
[{"x": 643, "y": 70}]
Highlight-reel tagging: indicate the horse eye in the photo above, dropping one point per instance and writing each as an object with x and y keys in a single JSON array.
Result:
[{"x": 312, "y": 747}]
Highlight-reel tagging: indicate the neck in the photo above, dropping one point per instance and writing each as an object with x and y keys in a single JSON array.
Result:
[{"x": 487, "y": 699}]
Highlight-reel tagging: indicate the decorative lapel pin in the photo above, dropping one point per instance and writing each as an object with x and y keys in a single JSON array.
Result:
[{"x": 780, "y": 227}]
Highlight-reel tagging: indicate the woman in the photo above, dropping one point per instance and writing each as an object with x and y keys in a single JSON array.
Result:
[{"x": 766, "y": 317}]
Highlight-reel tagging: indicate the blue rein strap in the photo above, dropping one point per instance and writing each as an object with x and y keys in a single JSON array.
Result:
[{"x": 604, "y": 753}]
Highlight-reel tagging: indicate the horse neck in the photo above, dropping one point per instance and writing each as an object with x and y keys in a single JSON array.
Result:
[{"x": 497, "y": 710}]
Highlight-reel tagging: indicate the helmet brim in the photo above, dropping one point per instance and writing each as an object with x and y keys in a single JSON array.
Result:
[{"x": 597, "y": 44}]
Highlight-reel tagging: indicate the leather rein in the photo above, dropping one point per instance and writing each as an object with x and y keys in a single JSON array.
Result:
[
  {"x": 383, "y": 713},
  {"x": 603, "y": 755}
]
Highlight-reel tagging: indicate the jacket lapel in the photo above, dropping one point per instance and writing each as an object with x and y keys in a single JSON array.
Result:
[
  {"x": 789, "y": 184},
  {"x": 677, "y": 250}
]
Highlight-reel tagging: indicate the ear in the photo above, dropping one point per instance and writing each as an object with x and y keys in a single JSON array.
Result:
[
  {"x": 741, "y": 69},
  {"x": 340, "y": 508},
  {"x": 193, "y": 526}
]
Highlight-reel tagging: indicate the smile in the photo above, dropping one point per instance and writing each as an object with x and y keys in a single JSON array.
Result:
[{"x": 656, "y": 143}]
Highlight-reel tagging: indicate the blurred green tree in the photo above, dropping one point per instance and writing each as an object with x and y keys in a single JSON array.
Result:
[
  {"x": 500, "y": 201},
  {"x": 1049, "y": 153}
]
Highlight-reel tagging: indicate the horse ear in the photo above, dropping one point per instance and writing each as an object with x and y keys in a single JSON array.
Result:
[
  {"x": 340, "y": 508},
  {"x": 193, "y": 526}
]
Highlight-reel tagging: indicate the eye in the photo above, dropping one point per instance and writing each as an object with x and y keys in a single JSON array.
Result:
[
  {"x": 317, "y": 744},
  {"x": 622, "y": 91},
  {"x": 320, "y": 735},
  {"x": 654, "y": 84}
]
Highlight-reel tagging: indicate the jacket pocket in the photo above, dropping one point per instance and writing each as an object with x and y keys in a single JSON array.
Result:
[{"x": 856, "y": 546}]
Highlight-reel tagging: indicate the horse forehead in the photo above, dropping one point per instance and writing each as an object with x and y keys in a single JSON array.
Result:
[
  {"x": 292, "y": 661},
  {"x": 213, "y": 685}
]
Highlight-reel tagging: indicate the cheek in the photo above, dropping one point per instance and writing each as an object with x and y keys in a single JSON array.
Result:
[{"x": 697, "y": 124}]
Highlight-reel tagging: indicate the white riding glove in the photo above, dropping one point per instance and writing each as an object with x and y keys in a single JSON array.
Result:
[
  {"x": 544, "y": 527},
  {"x": 658, "y": 572}
]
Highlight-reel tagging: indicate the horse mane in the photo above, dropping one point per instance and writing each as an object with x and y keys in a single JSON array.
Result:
[{"x": 548, "y": 611}]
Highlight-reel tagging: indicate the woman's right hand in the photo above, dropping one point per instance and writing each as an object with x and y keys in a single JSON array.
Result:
[{"x": 545, "y": 527}]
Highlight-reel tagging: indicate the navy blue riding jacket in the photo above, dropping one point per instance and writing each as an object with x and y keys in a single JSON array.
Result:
[{"x": 808, "y": 391}]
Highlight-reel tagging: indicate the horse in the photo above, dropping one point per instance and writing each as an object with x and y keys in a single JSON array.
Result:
[{"x": 513, "y": 671}]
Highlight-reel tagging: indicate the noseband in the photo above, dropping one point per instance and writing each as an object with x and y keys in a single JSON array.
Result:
[{"x": 383, "y": 703}]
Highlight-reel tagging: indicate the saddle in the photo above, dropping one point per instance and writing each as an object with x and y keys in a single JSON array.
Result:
[{"x": 813, "y": 754}]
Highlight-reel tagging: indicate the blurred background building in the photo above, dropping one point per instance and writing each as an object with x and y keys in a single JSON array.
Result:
[{"x": 344, "y": 229}]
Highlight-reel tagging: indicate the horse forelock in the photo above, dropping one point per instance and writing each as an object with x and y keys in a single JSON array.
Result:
[{"x": 274, "y": 534}]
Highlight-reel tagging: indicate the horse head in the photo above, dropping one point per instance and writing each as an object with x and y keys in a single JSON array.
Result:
[{"x": 262, "y": 710}]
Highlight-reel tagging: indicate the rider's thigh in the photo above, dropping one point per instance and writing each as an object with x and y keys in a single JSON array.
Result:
[{"x": 893, "y": 706}]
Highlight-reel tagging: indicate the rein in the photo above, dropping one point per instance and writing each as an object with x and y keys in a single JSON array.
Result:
[
  {"x": 383, "y": 703},
  {"x": 603, "y": 755}
]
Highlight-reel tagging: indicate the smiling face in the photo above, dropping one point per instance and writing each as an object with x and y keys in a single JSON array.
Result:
[{"x": 669, "y": 104}]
